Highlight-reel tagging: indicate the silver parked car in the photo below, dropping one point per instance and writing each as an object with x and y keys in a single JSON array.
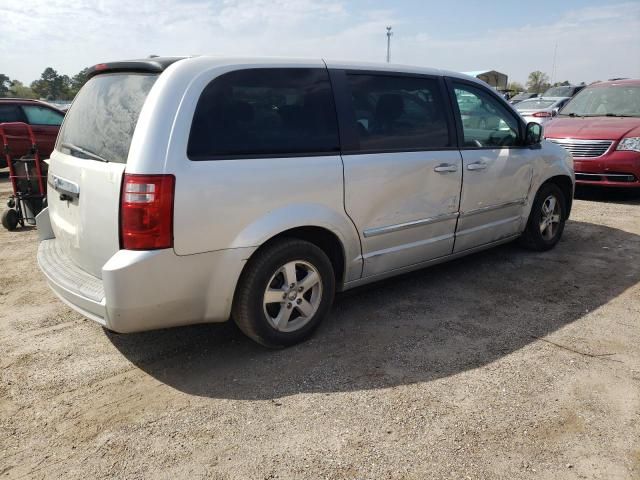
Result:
[
  {"x": 540, "y": 110},
  {"x": 191, "y": 190}
]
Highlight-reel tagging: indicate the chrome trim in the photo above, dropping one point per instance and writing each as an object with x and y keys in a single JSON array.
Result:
[
  {"x": 489, "y": 208},
  {"x": 399, "y": 248},
  {"x": 468, "y": 231},
  {"x": 372, "y": 232},
  {"x": 580, "y": 148},
  {"x": 427, "y": 263},
  {"x": 626, "y": 175},
  {"x": 64, "y": 186}
]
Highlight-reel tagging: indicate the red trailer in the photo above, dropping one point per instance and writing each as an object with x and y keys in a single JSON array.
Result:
[{"x": 28, "y": 179}]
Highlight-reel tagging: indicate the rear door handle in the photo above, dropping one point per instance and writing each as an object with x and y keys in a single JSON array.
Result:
[
  {"x": 446, "y": 167},
  {"x": 477, "y": 166}
]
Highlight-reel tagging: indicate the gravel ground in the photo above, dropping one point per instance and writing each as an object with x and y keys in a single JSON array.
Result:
[{"x": 503, "y": 365}]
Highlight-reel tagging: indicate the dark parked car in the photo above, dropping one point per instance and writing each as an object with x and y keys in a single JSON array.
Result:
[
  {"x": 563, "y": 91},
  {"x": 44, "y": 119}
]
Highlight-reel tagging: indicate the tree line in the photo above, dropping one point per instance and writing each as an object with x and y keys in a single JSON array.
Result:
[
  {"x": 50, "y": 86},
  {"x": 537, "y": 82}
]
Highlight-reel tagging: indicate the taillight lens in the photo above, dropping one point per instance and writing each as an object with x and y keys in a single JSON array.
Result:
[
  {"x": 146, "y": 212},
  {"x": 542, "y": 114}
]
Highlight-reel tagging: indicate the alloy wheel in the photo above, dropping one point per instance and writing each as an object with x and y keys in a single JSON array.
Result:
[{"x": 292, "y": 296}]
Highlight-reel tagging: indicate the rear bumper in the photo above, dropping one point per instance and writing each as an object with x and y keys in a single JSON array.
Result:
[
  {"x": 616, "y": 169},
  {"x": 146, "y": 290}
]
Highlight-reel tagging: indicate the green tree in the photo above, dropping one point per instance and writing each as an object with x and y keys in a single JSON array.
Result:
[
  {"x": 538, "y": 82},
  {"x": 52, "y": 86},
  {"x": 5, "y": 82},
  {"x": 515, "y": 87},
  {"x": 77, "y": 81},
  {"x": 19, "y": 90}
]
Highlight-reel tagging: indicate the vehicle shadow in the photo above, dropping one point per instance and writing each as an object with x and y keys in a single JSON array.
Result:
[
  {"x": 625, "y": 196},
  {"x": 417, "y": 327}
]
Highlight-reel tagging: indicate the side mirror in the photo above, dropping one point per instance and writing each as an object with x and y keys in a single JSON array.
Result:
[
  {"x": 533, "y": 133},
  {"x": 554, "y": 112}
]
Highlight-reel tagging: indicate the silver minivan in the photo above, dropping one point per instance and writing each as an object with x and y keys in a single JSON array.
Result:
[{"x": 191, "y": 190}]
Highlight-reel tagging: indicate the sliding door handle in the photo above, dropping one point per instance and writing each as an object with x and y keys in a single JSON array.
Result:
[
  {"x": 446, "y": 167},
  {"x": 477, "y": 166}
]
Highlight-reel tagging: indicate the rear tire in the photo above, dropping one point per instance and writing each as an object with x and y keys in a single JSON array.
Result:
[
  {"x": 10, "y": 219},
  {"x": 284, "y": 292},
  {"x": 546, "y": 220}
]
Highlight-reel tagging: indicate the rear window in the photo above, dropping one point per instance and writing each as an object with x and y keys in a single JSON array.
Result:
[
  {"x": 37, "y": 115},
  {"x": 101, "y": 121},
  {"x": 533, "y": 104},
  {"x": 272, "y": 112}
]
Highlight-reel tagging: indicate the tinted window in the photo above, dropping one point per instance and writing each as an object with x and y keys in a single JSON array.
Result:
[
  {"x": 398, "y": 113},
  {"x": 104, "y": 115},
  {"x": 37, "y": 115},
  {"x": 485, "y": 122},
  {"x": 265, "y": 112},
  {"x": 10, "y": 113}
]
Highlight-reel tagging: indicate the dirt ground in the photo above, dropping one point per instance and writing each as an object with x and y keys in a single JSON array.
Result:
[{"x": 503, "y": 365}]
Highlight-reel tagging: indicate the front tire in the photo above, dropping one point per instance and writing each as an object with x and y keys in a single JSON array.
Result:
[
  {"x": 284, "y": 293},
  {"x": 546, "y": 220}
]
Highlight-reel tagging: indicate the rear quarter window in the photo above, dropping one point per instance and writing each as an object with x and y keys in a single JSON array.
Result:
[
  {"x": 265, "y": 112},
  {"x": 104, "y": 115}
]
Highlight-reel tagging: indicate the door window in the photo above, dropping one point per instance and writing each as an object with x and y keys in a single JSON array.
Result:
[
  {"x": 37, "y": 115},
  {"x": 485, "y": 123},
  {"x": 398, "y": 113},
  {"x": 255, "y": 112},
  {"x": 10, "y": 113}
]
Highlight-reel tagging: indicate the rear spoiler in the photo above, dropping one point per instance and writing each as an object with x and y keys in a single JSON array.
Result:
[{"x": 147, "y": 65}]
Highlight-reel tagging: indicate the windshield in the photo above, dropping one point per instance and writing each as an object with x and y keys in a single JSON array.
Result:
[
  {"x": 534, "y": 104},
  {"x": 613, "y": 100},
  {"x": 558, "y": 92},
  {"x": 101, "y": 121}
]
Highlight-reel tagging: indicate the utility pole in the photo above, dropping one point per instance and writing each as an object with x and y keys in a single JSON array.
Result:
[
  {"x": 389, "y": 33},
  {"x": 553, "y": 68}
]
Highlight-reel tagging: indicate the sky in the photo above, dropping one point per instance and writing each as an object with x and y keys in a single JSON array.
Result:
[{"x": 596, "y": 40}]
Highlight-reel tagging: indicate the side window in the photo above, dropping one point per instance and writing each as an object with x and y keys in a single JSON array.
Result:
[
  {"x": 10, "y": 113},
  {"x": 485, "y": 122},
  {"x": 265, "y": 112},
  {"x": 37, "y": 115},
  {"x": 398, "y": 112}
]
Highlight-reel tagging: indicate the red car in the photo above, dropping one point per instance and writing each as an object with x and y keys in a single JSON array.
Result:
[
  {"x": 600, "y": 126},
  {"x": 44, "y": 119}
]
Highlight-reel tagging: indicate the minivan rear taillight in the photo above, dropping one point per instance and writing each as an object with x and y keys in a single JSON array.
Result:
[
  {"x": 542, "y": 114},
  {"x": 146, "y": 212}
]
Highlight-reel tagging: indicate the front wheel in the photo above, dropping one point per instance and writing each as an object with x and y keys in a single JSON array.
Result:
[
  {"x": 284, "y": 293},
  {"x": 546, "y": 220}
]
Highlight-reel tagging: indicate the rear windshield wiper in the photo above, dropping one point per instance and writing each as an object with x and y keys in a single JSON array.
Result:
[{"x": 84, "y": 152}]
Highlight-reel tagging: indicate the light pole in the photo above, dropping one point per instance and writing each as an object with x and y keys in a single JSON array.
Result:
[{"x": 389, "y": 33}]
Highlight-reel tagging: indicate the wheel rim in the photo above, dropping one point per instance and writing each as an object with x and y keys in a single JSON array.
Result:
[
  {"x": 292, "y": 296},
  {"x": 550, "y": 218}
]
